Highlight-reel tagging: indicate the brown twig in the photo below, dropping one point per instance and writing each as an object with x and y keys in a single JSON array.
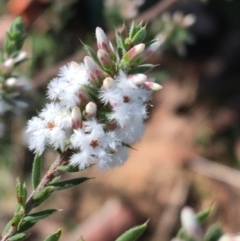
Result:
[
  {"x": 147, "y": 16},
  {"x": 215, "y": 171},
  {"x": 48, "y": 177}
]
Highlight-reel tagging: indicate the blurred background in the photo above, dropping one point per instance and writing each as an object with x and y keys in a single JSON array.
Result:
[{"x": 190, "y": 152}]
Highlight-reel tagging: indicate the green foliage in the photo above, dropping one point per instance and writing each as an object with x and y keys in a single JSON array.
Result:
[
  {"x": 133, "y": 233},
  {"x": 55, "y": 236},
  {"x": 213, "y": 233},
  {"x": 36, "y": 170},
  {"x": 21, "y": 192},
  {"x": 42, "y": 195},
  {"x": 69, "y": 183},
  {"x": 18, "y": 237},
  {"x": 31, "y": 219}
]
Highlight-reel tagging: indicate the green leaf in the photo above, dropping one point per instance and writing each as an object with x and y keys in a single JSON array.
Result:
[
  {"x": 139, "y": 36},
  {"x": 18, "y": 237},
  {"x": 141, "y": 69},
  {"x": 68, "y": 168},
  {"x": 133, "y": 233},
  {"x": 54, "y": 237},
  {"x": 120, "y": 44},
  {"x": 41, "y": 196},
  {"x": 7, "y": 227},
  {"x": 36, "y": 170},
  {"x": 213, "y": 233},
  {"x": 203, "y": 215},
  {"x": 69, "y": 183},
  {"x": 21, "y": 192},
  {"x": 132, "y": 30},
  {"x": 31, "y": 219}
]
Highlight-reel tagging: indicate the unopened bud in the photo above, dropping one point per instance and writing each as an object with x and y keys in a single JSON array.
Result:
[
  {"x": 76, "y": 118},
  {"x": 102, "y": 40},
  {"x": 90, "y": 109},
  {"x": 11, "y": 82},
  {"x": 107, "y": 83},
  {"x": 74, "y": 65},
  {"x": 94, "y": 71},
  {"x": 152, "y": 86},
  {"x": 104, "y": 58},
  {"x": 133, "y": 52},
  {"x": 8, "y": 66},
  {"x": 138, "y": 79},
  {"x": 188, "y": 20},
  {"x": 177, "y": 17},
  {"x": 21, "y": 56},
  {"x": 190, "y": 223}
]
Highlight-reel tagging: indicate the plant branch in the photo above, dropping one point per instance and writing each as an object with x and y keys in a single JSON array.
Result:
[{"x": 47, "y": 178}]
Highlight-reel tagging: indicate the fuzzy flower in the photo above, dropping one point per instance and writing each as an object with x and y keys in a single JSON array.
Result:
[{"x": 94, "y": 113}]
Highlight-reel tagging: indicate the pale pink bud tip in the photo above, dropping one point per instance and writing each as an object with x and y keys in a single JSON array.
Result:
[
  {"x": 134, "y": 52},
  {"x": 91, "y": 109},
  {"x": 189, "y": 20},
  {"x": 102, "y": 40},
  {"x": 107, "y": 83},
  {"x": 138, "y": 79},
  {"x": 94, "y": 71},
  {"x": 153, "y": 86},
  {"x": 76, "y": 118},
  {"x": 190, "y": 223},
  {"x": 11, "y": 82},
  {"x": 104, "y": 58},
  {"x": 74, "y": 65}
]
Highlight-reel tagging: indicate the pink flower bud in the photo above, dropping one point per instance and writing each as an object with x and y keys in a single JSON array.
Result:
[
  {"x": 76, "y": 118},
  {"x": 20, "y": 57},
  {"x": 188, "y": 20},
  {"x": 8, "y": 66},
  {"x": 134, "y": 52},
  {"x": 138, "y": 79},
  {"x": 94, "y": 71},
  {"x": 90, "y": 109},
  {"x": 152, "y": 86},
  {"x": 104, "y": 58},
  {"x": 190, "y": 223},
  {"x": 107, "y": 83},
  {"x": 102, "y": 40}
]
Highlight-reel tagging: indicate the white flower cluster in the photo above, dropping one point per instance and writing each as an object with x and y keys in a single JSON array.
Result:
[{"x": 91, "y": 113}]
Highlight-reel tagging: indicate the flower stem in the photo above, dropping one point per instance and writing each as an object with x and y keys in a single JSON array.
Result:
[{"x": 47, "y": 178}]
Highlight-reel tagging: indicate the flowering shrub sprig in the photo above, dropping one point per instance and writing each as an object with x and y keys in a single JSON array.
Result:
[
  {"x": 97, "y": 109},
  {"x": 12, "y": 84},
  {"x": 174, "y": 31}
]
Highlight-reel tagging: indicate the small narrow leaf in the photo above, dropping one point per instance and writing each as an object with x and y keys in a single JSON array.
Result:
[
  {"x": 30, "y": 220},
  {"x": 36, "y": 170},
  {"x": 69, "y": 183},
  {"x": 18, "y": 237},
  {"x": 6, "y": 228},
  {"x": 133, "y": 233},
  {"x": 68, "y": 168},
  {"x": 45, "y": 193},
  {"x": 120, "y": 44},
  {"x": 141, "y": 69},
  {"x": 54, "y": 237},
  {"x": 139, "y": 36},
  {"x": 213, "y": 233},
  {"x": 21, "y": 192},
  {"x": 132, "y": 30},
  {"x": 203, "y": 215}
]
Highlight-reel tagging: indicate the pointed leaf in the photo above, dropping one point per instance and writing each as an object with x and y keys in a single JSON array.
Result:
[
  {"x": 139, "y": 36},
  {"x": 18, "y": 237},
  {"x": 213, "y": 233},
  {"x": 133, "y": 233},
  {"x": 69, "y": 183},
  {"x": 68, "y": 168},
  {"x": 45, "y": 193},
  {"x": 203, "y": 215},
  {"x": 132, "y": 30},
  {"x": 36, "y": 170},
  {"x": 7, "y": 227},
  {"x": 141, "y": 69},
  {"x": 54, "y": 237},
  {"x": 21, "y": 192},
  {"x": 120, "y": 44},
  {"x": 30, "y": 220}
]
